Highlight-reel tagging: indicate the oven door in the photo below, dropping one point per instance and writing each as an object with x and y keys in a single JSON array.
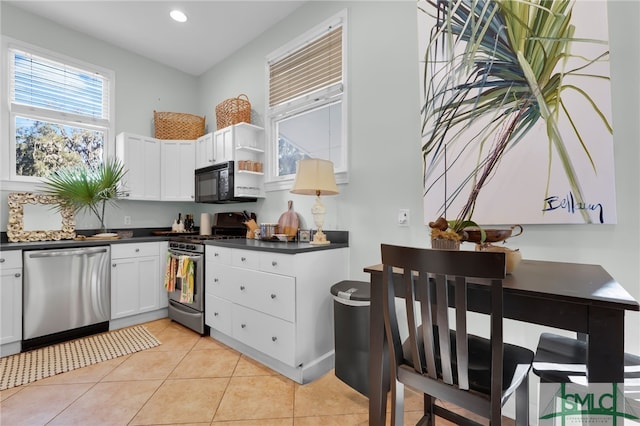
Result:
[{"x": 197, "y": 303}]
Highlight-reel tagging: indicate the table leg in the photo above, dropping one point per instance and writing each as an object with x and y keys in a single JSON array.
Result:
[
  {"x": 377, "y": 385},
  {"x": 605, "y": 355}
]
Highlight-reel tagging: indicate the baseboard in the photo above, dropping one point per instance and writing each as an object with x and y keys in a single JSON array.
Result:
[
  {"x": 138, "y": 319},
  {"x": 302, "y": 374}
]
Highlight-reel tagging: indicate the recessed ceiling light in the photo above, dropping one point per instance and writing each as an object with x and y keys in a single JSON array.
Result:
[{"x": 177, "y": 15}]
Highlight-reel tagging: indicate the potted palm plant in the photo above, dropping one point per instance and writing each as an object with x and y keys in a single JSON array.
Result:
[
  {"x": 82, "y": 188},
  {"x": 493, "y": 69}
]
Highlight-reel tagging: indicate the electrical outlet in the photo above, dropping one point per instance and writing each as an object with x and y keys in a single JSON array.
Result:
[
  {"x": 127, "y": 220},
  {"x": 403, "y": 217}
]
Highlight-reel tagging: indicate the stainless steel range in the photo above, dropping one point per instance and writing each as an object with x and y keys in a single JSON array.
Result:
[{"x": 186, "y": 307}]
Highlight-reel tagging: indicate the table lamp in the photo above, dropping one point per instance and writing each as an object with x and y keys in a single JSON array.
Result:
[{"x": 315, "y": 177}]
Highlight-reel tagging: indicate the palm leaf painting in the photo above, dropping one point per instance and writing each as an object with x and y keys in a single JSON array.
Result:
[{"x": 495, "y": 73}]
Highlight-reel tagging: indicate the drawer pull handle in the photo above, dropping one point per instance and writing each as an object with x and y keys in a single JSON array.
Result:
[
  {"x": 274, "y": 338},
  {"x": 215, "y": 255},
  {"x": 17, "y": 275},
  {"x": 215, "y": 280},
  {"x": 273, "y": 296},
  {"x": 114, "y": 265},
  {"x": 1, "y": 259},
  {"x": 243, "y": 325},
  {"x": 137, "y": 250},
  {"x": 215, "y": 314},
  {"x": 243, "y": 259},
  {"x": 242, "y": 287},
  {"x": 274, "y": 263}
]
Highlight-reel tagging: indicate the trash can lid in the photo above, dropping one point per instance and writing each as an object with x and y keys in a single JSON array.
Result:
[{"x": 352, "y": 290}]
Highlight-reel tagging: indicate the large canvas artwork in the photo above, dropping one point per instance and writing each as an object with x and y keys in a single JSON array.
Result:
[{"x": 516, "y": 111}]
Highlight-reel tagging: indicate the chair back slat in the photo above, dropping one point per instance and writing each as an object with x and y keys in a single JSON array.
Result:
[
  {"x": 462, "y": 344},
  {"x": 412, "y": 326},
  {"x": 442, "y": 323},
  {"x": 424, "y": 294}
]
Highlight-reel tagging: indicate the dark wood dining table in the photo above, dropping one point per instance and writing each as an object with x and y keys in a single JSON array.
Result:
[{"x": 579, "y": 297}]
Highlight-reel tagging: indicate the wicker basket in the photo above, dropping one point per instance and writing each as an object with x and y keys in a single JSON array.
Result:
[
  {"x": 177, "y": 125},
  {"x": 233, "y": 111}
]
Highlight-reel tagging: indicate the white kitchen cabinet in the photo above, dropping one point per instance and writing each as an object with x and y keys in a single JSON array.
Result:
[
  {"x": 275, "y": 307},
  {"x": 178, "y": 165},
  {"x": 205, "y": 151},
  {"x": 10, "y": 299},
  {"x": 248, "y": 155},
  {"x": 140, "y": 156},
  {"x": 135, "y": 279},
  {"x": 223, "y": 145}
]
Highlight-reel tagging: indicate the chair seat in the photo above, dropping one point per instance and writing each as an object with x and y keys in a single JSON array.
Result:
[
  {"x": 480, "y": 362},
  {"x": 558, "y": 358}
]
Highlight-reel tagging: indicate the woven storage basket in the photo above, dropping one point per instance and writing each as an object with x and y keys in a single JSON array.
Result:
[
  {"x": 232, "y": 111},
  {"x": 177, "y": 125}
]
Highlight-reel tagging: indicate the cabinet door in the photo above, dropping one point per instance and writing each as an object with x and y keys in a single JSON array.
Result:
[
  {"x": 223, "y": 145},
  {"x": 141, "y": 158},
  {"x": 204, "y": 151},
  {"x": 10, "y": 305},
  {"x": 178, "y": 164},
  {"x": 148, "y": 283},
  {"x": 124, "y": 287}
]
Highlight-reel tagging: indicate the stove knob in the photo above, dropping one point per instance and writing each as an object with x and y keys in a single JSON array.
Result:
[{"x": 191, "y": 247}]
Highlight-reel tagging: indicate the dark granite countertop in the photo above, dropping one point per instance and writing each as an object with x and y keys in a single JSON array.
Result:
[{"x": 339, "y": 239}]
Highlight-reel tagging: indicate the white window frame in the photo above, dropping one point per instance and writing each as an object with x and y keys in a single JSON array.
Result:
[
  {"x": 10, "y": 180},
  {"x": 311, "y": 101}
]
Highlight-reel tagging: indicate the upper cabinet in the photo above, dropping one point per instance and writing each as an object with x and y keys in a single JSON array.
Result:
[
  {"x": 163, "y": 170},
  {"x": 178, "y": 164},
  {"x": 157, "y": 169},
  {"x": 204, "y": 151},
  {"x": 248, "y": 154},
  {"x": 141, "y": 158}
]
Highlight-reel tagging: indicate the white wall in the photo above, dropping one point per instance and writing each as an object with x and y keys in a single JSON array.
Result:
[{"x": 383, "y": 130}]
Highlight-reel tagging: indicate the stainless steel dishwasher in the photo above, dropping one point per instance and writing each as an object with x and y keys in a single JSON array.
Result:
[{"x": 66, "y": 294}]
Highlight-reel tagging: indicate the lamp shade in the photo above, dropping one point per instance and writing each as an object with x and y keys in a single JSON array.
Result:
[{"x": 315, "y": 177}]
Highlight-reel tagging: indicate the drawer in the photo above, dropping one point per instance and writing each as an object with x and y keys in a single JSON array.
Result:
[
  {"x": 11, "y": 259},
  {"x": 272, "y": 336},
  {"x": 269, "y": 293},
  {"x": 219, "y": 280},
  {"x": 127, "y": 251},
  {"x": 217, "y": 313},
  {"x": 245, "y": 259},
  {"x": 277, "y": 263},
  {"x": 218, "y": 254}
]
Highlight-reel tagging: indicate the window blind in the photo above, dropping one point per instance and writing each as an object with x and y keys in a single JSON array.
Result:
[
  {"x": 316, "y": 65},
  {"x": 43, "y": 83}
]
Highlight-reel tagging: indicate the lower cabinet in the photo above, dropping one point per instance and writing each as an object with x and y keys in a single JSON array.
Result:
[
  {"x": 274, "y": 307},
  {"x": 10, "y": 298},
  {"x": 135, "y": 279}
]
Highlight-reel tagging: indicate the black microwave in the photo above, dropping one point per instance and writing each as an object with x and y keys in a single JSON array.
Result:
[{"x": 215, "y": 184}]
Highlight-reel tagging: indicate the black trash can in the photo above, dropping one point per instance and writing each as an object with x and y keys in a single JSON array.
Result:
[{"x": 351, "y": 306}]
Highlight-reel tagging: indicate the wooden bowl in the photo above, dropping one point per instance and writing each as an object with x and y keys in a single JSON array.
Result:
[{"x": 474, "y": 235}]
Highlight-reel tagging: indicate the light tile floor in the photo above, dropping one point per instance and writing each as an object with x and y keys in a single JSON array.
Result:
[{"x": 187, "y": 380}]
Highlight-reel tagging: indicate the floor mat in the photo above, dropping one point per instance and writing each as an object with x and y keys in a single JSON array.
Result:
[{"x": 27, "y": 367}]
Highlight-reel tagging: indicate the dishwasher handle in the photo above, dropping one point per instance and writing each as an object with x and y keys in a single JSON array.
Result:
[{"x": 68, "y": 252}]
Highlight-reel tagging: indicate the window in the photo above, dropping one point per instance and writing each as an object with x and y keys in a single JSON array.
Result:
[
  {"x": 307, "y": 98},
  {"x": 59, "y": 112}
]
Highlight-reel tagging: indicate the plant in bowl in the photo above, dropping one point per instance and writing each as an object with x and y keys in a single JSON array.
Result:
[{"x": 82, "y": 188}]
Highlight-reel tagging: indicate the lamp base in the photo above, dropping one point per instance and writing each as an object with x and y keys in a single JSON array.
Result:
[{"x": 319, "y": 238}]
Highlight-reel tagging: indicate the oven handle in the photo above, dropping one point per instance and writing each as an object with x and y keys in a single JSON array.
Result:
[{"x": 177, "y": 254}]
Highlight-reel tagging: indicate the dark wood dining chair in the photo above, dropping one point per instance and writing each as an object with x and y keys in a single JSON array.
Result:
[{"x": 444, "y": 363}]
